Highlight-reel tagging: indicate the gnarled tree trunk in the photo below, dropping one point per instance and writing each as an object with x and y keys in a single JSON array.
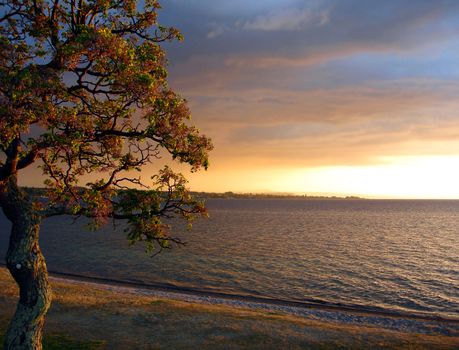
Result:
[{"x": 27, "y": 266}]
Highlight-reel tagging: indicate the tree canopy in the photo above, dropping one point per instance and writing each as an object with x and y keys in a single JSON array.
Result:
[{"x": 84, "y": 95}]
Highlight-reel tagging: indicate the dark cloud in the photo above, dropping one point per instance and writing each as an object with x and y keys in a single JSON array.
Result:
[
  {"x": 299, "y": 28},
  {"x": 318, "y": 82}
]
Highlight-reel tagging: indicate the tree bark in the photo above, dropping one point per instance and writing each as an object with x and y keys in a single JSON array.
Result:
[{"x": 28, "y": 268}]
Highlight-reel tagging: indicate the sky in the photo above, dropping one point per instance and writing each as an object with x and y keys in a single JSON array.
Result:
[{"x": 347, "y": 97}]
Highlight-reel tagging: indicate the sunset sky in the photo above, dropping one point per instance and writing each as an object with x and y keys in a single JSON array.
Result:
[
  {"x": 334, "y": 97},
  {"x": 321, "y": 96}
]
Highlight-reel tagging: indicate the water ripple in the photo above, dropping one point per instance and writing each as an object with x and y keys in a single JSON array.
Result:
[{"x": 400, "y": 255}]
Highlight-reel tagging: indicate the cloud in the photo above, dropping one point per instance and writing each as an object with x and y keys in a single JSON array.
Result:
[
  {"x": 284, "y": 19},
  {"x": 320, "y": 30},
  {"x": 342, "y": 82},
  {"x": 350, "y": 125},
  {"x": 290, "y": 19},
  {"x": 217, "y": 29}
]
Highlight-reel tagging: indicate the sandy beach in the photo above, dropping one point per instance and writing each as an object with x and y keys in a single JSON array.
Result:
[
  {"x": 415, "y": 323},
  {"x": 115, "y": 316}
]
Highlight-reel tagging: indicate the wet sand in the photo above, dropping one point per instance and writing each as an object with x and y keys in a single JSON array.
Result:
[
  {"x": 129, "y": 316},
  {"x": 352, "y": 315}
]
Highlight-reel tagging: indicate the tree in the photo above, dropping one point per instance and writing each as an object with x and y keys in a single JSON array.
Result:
[{"x": 84, "y": 96}]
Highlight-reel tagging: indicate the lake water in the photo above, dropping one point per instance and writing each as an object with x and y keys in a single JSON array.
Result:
[{"x": 397, "y": 255}]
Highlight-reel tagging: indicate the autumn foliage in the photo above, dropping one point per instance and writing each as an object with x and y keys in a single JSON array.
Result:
[
  {"x": 83, "y": 92},
  {"x": 84, "y": 96}
]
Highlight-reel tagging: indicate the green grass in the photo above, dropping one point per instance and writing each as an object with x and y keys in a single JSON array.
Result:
[
  {"x": 65, "y": 342},
  {"x": 91, "y": 317}
]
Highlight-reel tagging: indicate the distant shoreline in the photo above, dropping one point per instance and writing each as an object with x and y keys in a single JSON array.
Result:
[
  {"x": 232, "y": 195},
  {"x": 40, "y": 191}
]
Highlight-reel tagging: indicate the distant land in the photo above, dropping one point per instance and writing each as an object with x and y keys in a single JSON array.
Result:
[
  {"x": 39, "y": 191},
  {"x": 234, "y": 195}
]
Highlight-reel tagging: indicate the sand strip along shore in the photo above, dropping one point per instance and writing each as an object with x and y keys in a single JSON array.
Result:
[{"x": 424, "y": 324}]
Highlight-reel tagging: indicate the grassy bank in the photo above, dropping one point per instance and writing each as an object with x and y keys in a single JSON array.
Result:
[{"x": 84, "y": 317}]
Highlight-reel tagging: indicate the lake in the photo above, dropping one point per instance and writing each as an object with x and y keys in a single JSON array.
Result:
[{"x": 400, "y": 255}]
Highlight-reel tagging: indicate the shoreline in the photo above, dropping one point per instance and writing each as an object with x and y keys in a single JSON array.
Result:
[
  {"x": 354, "y": 316},
  {"x": 113, "y": 316},
  {"x": 309, "y": 304}
]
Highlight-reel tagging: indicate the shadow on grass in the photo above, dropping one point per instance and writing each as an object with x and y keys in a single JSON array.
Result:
[{"x": 64, "y": 342}]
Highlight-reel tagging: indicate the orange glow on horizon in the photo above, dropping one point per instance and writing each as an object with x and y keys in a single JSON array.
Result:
[
  {"x": 432, "y": 177},
  {"x": 426, "y": 177}
]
